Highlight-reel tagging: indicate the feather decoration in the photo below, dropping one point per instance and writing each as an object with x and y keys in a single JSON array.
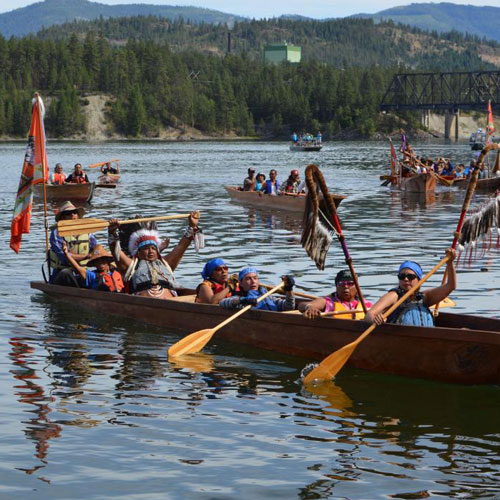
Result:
[{"x": 317, "y": 232}]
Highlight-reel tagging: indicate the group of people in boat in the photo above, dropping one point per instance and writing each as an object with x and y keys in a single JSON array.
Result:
[
  {"x": 443, "y": 167},
  {"x": 142, "y": 270},
  {"x": 306, "y": 139},
  {"x": 293, "y": 184},
  {"x": 78, "y": 176}
]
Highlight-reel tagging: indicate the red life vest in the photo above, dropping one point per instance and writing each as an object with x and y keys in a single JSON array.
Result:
[
  {"x": 111, "y": 282},
  {"x": 58, "y": 178},
  {"x": 216, "y": 288}
]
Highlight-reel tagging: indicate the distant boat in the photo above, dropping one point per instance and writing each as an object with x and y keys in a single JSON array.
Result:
[
  {"x": 289, "y": 202},
  {"x": 304, "y": 146}
]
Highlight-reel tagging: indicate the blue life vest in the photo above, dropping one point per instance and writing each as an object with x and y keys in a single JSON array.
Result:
[
  {"x": 267, "y": 304},
  {"x": 269, "y": 187},
  {"x": 412, "y": 312}
]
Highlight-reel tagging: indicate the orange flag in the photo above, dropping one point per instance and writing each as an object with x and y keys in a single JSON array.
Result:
[
  {"x": 490, "y": 127},
  {"x": 31, "y": 174}
]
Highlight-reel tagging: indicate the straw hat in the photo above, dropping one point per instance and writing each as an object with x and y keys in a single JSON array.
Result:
[
  {"x": 99, "y": 252},
  {"x": 67, "y": 206}
]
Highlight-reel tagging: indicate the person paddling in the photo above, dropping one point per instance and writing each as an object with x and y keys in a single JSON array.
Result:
[
  {"x": 250, "y": 291},
  {"x": 414, "y": 311},
  {"x": 343, "y": 299}
]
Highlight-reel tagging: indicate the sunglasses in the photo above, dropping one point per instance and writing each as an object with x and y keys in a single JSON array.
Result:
[
  {"x": 345, "y": 283},
  {"x": 221, "y": 268},
  {"x": 410, "y": 277}
]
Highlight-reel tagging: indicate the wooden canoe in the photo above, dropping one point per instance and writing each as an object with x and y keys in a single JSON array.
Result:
[
  {"x": 489, "y": 185},
  {"x": 295, "y": 203},
  {"x": 305, "y": 147},
  {"x": 81, "y": 193},
  {"x": 419, "y": 183},
  {"x": 108, "y": 178},
  {"x": 461, "y": 349}
]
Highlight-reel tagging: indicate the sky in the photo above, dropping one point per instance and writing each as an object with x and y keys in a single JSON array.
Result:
[{"x": 273, "y": 8}]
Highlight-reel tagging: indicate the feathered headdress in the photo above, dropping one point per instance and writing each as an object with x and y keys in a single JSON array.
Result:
[{"x": 141, "y": 238}]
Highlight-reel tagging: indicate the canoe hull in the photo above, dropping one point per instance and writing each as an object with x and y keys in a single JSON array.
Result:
[
  {"x": 305, "y": 148},
  {"x": 449, "y": 353},
  {"x": 489, "y": 185},
  {"x": 109, "y": 179},
  {"x": 419, "y": 183},
  {"x": 283, "y": 202},
  {"x": 81, "y": 193}
]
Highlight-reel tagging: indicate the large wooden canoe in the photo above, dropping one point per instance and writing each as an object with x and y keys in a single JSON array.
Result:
[
  {"x": 294, "y": 203},
  {"x": 460, "y": 349},
  {"x": 489, "y": 185},
  {"x": 82, "y": 193},
  {"x": 419, "y": 183}
]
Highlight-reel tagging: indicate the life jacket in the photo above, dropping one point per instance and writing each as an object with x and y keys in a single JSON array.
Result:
[
  {"x": 334, "y": 304},
  {"x": 412, "y": 311},
  {"x": 111, "y": 282},
  {"x": 146, "y": 274},
  {"x": 216, "y": 288},
  {"x": 58, "y": 178},
  {"x": 78, "y": 179},
  {"x": 269, "y": 186},
  {"x": 78, "y": 244}
]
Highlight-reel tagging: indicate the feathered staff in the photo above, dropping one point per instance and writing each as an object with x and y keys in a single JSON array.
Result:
[{"x": 320, "y": 222}]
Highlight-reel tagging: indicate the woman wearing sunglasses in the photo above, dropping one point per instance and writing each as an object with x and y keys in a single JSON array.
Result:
[
  {"x": 415, "y": 310},
  {"x": 215, "y": 285},
  {"x": 343, "y": 299}
]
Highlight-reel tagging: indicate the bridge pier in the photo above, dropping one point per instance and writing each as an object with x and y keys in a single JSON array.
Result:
[{"x": 451, "y": 117}]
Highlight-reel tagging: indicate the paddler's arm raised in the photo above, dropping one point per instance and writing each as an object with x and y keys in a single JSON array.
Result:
[
  {"x": 79, "y": 269},
  {"x": 436, "y": 295},
  {"x": 124, "y": 260},
  {"x": 175, "y": 256}
]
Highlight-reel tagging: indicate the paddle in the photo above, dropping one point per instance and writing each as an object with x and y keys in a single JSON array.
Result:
[
  {"x": 196, "y": 341},
  {"x": 297, "y": 294},
  {"x": 100, "y": 164},
  {"x": 332, "y": 364},
  {"x": 79, "y": 226}
]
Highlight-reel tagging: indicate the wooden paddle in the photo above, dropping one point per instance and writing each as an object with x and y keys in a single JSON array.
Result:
[
  {"x": 297, "y": 294},
  {"x": 100, "y": 164},
  {"x": 196, "y": 341},
  {"x": 332, "y": 364},
  {"x": 79, "y": 226}
]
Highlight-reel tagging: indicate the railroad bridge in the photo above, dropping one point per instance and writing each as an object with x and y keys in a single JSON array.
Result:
[{"x": 448, "y": 92}]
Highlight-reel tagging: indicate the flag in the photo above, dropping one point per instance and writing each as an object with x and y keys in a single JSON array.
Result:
[
  {"x": 30, "y": 175},
  {"x": 490, "y": 128}
]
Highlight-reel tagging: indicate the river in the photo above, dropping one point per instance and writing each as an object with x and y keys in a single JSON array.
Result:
[{"x": 93, "y": 409}]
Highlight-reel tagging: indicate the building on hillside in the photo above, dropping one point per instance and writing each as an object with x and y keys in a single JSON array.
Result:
[{"x": 279, "y": 52}]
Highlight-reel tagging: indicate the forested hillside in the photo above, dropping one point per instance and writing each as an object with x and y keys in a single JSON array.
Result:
[
  {"x": 158, "y": 74},
  {"x": 342, "y": 42}
]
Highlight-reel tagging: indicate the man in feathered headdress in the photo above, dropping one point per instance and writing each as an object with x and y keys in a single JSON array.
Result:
[{"x": 145, "y": 271}]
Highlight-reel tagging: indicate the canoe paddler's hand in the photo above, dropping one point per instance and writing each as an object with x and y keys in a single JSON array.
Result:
[
  {"x": 379, "y": 319},
  {"x": 452, "y": 253},
  {"x": 311, "y": 312},
  {"x": 233, "y": 283},
  {"x": 113, "y": 227},
  {"x": 65, "y": 248},
  {"x": 194, "y": 218},
  {"x": 248, "y": 301},
  {"x": 289, "y": 282}
]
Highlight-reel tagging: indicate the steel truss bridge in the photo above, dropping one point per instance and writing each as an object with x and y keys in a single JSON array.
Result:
[{"x": 442, "y": 91}]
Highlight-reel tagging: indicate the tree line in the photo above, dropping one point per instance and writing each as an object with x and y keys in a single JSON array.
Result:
[{"x": 150, "y": 87}]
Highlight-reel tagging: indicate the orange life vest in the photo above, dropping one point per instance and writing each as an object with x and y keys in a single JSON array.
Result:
[
  {"x": 58, "y": 178},
  {"x": 111, "y": 282},
  {"x": 216, "y": 288}
]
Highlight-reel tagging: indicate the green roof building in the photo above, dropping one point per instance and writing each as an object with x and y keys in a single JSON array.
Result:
[{"x": 279, "y": 52}]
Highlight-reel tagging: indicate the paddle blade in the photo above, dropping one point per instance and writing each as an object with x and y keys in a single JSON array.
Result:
[
  {"x": 81, "y": 226},
  {"x": 192, "y": 343},
  {"x": 331, "y": 365},
  {"x": 447, "y": 302}
]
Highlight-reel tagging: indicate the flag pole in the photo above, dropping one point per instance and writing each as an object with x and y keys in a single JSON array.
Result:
[{"x": 41, "y": 131}]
